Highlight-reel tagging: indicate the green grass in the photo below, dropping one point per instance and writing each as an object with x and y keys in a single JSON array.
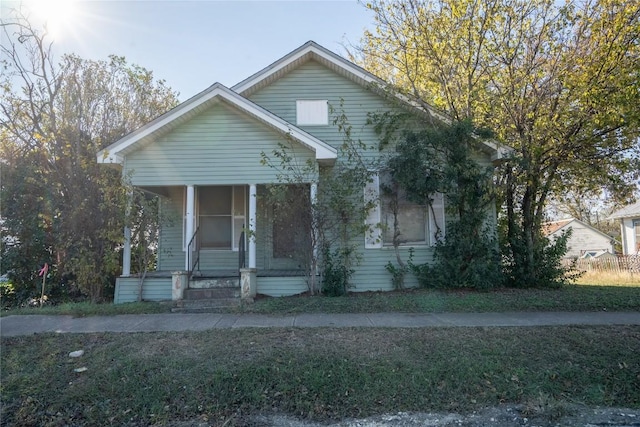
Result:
[
  {"x": 223, "y": 376},
  {"x": 568, "y": 298},
  {"x": 83, "y": 309}
]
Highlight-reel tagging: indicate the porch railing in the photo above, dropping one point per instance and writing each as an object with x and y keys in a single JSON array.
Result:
[{"x": 193, "y": 253}]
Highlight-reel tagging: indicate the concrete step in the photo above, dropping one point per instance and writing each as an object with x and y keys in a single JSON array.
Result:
[
  {"x": 213, "y": 305},
  {"x": 211, "y": 293},
  {"x": 214, "y": 282}
]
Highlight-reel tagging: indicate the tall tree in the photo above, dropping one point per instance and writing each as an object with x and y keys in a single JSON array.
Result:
[
  {"x": 558, "y": 83},
  {"x": 58, "y": 205}
]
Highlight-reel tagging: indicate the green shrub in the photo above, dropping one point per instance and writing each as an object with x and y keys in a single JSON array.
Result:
[
  {"x": 463, "y": 260},
  {"x": 335, "y": 273},
  {"x": 549, "y": 271}
]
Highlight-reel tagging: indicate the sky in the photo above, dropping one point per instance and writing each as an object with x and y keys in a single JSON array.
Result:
[{"x": 194, "y": 44}]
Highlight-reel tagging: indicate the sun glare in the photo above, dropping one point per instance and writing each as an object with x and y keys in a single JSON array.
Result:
[{"x": 57, "y": 15}]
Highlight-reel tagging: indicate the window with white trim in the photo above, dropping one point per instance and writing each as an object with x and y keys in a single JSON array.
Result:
[
  {"x": 312, "y": 112},
  {"x": 636, "y": 229},
  {"x": 395, "y": 215}
]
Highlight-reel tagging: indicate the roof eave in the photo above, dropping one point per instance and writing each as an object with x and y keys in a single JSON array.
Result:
[{"x": 108, "y": 158}]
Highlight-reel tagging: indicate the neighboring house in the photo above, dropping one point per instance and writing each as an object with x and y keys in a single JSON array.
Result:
[
  {"x": 585, "y": 241},
  {"x": 629, "y": 217},
  {"x": 204, "y": 158}
]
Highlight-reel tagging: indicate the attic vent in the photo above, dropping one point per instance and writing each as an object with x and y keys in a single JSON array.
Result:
[{"x": 312, "y": 112}]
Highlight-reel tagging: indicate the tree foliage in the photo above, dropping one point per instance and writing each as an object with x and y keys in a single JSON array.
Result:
[
  {"x": 560, "y": 83},
  {"x": 58, "y": 205}
]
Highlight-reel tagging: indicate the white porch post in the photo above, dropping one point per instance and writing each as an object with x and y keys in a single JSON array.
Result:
[
  {"x": 189, "y": 215},
  {"x": 314, "y": 225},
  {"x": 126, "y": 253},
  {"x": 126, "y": 250},
  {"x": 252, "y": 225}
]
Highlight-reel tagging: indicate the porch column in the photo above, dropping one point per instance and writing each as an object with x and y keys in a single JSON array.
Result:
[
  {"x": 126, "y": 250},
  {"x": 126, "y": 253},
  {"x": 252, "y": 225},
  {"x": 314, "y": 225},
  {"x": 190, "y": 210}
]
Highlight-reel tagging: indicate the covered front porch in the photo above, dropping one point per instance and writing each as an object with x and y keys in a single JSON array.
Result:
[{"x": 232, "y": 234}]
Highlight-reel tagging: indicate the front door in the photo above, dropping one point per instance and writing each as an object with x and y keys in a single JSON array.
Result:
[{"x": 221, "y": 216}]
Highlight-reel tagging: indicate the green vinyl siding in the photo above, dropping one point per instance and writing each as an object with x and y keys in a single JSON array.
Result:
[
  {"x": 371, "y": 275},
  {"x": 170, "y": 250},
  {"x": 221, "y": 146},
  {"x": 314, "y": 81},
  {"x": 281, "y": 286},
  {"x": 154, "y": 289}
]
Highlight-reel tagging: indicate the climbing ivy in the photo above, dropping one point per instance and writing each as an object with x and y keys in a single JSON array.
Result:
[{"x": 440, "y": 159}]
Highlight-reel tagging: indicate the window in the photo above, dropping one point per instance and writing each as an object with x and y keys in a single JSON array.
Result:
[
  {"x": 221, "y": 216},
  {"x": 402, "y": 219},
  {"x": 291, "y": 222},
  {"x": 394, "y": 213},
  {"x": 312, "y": 112},
  {"x": 636, "y": 229}
]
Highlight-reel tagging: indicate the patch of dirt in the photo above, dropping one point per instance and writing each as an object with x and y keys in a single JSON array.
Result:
[{"x": 500, "y": 416}]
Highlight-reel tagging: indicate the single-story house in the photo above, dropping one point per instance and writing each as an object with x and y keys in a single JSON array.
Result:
[
  {"x": 585, "y": 240},
  {"x": 629, "y": 217},
  {"x": 204, "y": 158}
]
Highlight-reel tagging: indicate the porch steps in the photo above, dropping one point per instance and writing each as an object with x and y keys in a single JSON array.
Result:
[
  {"x": 210, "y": 295},
  {"x": 214, "y": 305}
]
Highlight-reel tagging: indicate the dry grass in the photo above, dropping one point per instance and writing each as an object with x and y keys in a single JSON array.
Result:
[
  {"x": 609, "y": 278},
  {"x": 216, "y": 376}
]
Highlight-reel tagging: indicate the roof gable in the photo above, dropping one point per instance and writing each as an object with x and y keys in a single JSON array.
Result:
[
  {"x": 313, "y": 51},
  {"x": 237, "y": 97},
  {"x": 553, "y": 227},
  {"x": 217, "y": 93}
]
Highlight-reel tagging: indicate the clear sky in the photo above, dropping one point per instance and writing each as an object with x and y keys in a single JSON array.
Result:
[{"x": 193, "y": 44}]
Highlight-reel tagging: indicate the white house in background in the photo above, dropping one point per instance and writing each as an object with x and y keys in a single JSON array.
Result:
[
  {"x": 629, "y": 217},
  {"x": 585, "y": 240}
]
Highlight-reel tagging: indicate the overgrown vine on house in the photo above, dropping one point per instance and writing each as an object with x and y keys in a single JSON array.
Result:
[
  {"x": 337, "y": 215},
  {"x": 440, "y": 159}
]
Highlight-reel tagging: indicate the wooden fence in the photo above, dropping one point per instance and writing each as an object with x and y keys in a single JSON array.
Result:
[{"x": 619, "y": 264}]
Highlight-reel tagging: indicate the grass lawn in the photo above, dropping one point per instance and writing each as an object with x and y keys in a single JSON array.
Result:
[
  {"x": 582, "y": 297},
  {"x": 568, "y": 298},
  {"x": 220, "y": 376}
]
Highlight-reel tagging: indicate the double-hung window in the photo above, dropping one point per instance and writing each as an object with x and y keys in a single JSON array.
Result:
[{"x": 394, "y": 217}]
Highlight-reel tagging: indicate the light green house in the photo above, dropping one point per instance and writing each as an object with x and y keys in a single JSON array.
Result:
[{"x": 204, "y": 159}]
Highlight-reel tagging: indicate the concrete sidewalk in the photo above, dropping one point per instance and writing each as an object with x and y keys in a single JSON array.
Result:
[{"x": 30, "y": 324}]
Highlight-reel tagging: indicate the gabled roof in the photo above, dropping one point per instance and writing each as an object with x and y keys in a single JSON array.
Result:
[
  {"x": 313, "y": 51},
  {"x": 550, "y": 228},
  {"x": 217, "y": 93},
  {"x": 629, "y": 211}
]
